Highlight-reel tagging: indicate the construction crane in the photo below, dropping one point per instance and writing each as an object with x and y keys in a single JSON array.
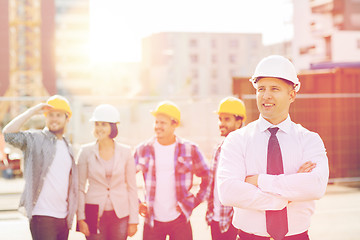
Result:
[{"x": 25, "y": 78}]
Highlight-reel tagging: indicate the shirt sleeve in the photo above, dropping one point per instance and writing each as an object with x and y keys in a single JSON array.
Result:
[
  {"x": 132, "y": 189},
  {"x": 83, "y": 175},
  {"x": 136, "y": 155},
  {"x": 201, "y": 170},
  {"x": 141, "y": 156},
  {"x": 18, "y": 139},
  {"x": 232, "y": 188},
  {"x": 301, "y": 186}
]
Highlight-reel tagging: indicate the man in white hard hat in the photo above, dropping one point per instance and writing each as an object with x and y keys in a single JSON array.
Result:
[
  {"x": 51, "y": 181},
  {"x": 168, "y": 164},
  {"x": 232, "y": 116},
  {"x": 272, "y": 170}
]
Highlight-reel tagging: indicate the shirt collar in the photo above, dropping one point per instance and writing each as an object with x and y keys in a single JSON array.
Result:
[
  {"x": 48, "y": 133},
  {"x": 177, "y": 140},
  {"x": 283, "y": 126}
]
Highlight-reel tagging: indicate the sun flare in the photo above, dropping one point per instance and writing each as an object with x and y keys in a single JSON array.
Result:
[{"x": 110, "y": 40}]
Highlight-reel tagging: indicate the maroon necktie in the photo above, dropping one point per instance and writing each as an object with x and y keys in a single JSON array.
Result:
[{"x": 276, "y": 220}]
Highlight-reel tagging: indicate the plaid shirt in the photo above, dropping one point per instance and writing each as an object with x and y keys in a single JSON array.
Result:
[
  {"x": 188, "y": 161},
  {"x": 39, "y": 148},
  {"x": 226, "y": 212}
]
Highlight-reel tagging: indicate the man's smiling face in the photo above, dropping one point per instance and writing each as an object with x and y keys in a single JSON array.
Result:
[{"x": 273, "y": 97}]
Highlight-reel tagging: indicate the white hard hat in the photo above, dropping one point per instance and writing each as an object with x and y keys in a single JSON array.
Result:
[
  {"x": 278, "y": 67},
  {"x": 105, "y": 113}
]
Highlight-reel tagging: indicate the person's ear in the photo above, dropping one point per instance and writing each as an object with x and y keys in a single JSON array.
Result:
[{"x": 292, "y": 95}]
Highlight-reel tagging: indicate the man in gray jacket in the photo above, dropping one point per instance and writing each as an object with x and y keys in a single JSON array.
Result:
[{"x": 51, "y": 181}]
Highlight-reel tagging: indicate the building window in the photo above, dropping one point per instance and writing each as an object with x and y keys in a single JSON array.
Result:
[
  {"x": 214, "y": 74},
  {"x": 355, "y": 20},
  {"x": 338, "y": 21},
  {"x": 213, "y": 43},
  {"x": 328, "y": 41},
  {"x": 253, "y": 44},
  {"x": 232, "y": 58},
  {"x": 232, "y": 72},
  {"x": 307, "y": 49},
  {"x": 214, "y": 58},
  {"x": 195, "y": 89},
  {"x": 234, "y": 43},
  {"x": 193, "y": 43},
  {"x": 194, "y": 58},
  {"x": 214, "y": 88},
  {"x": 194, "y": 73}
]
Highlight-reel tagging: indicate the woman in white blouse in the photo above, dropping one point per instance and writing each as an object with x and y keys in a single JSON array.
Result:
[{"x": 109, "y": 169}]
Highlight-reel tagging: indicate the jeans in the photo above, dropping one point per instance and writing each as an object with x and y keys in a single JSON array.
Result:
[
  {"x": 48, "y": 228},
  {"x": 178, "y": 229},
  {"x": 216, "y": 234},
  {"x": 111, "y": 227}
]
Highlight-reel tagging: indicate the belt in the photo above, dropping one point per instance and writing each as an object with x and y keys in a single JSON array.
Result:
[{"x": 247, "y": 236}]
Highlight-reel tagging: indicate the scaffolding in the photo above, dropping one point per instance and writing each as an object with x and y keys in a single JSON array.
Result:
[{"x": 25, "y": 56}]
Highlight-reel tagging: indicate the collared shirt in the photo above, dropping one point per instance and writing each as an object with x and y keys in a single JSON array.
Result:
[
  {"x": 225, "y": 212},
  {"x": 39, "y": 148},
  {"x": 244, "y": 153},
  {"x": 188, "y": 161}
]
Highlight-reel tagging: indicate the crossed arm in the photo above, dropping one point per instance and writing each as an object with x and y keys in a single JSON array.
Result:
[
  {"x": 305, "y": 168},
  {"x": 265, "y": 191}
]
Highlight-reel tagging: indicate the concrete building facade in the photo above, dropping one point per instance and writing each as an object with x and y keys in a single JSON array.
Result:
[
  {"x": 326, "y": 31},
  {"x": 72, "y": 55},
  {"x": 197, "y": 64}
]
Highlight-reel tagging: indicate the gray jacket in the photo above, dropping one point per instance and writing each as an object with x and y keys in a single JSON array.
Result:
[{"x": 39, "y": 148}]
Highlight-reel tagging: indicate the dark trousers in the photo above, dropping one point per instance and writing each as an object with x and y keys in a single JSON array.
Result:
[
  {"x": 178, "y": 229},
  {"x": 216, "y": 234},
  {"x": 48, "y": 228},
  {"x": 111, "y": 227}
]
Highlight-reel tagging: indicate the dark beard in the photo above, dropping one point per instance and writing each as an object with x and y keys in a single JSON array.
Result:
[{"x": 58, "y": 132}]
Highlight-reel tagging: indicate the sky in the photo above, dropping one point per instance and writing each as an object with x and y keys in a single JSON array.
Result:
[{"x": 117, "y": 26}]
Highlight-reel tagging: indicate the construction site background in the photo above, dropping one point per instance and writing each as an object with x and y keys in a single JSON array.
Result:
[
  {"x": 326, "y": 103},
  {"x": 198, "y": 120}
]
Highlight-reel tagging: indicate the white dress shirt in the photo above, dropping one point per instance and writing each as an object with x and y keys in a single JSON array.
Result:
[{"x": 244, "y": 153}]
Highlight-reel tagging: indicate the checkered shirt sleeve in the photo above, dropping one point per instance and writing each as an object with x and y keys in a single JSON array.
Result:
[{"x": 226, "y": 212}]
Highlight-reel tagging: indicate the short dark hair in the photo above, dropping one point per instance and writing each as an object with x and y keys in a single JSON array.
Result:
[{"x": 114, "y": 130}]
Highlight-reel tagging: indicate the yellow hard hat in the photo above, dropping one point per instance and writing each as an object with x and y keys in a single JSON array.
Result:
[
  {"x": 168, "y": 108},
  {"x": 232, "y": 105},
  {"x": 60, "y": 103}
]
